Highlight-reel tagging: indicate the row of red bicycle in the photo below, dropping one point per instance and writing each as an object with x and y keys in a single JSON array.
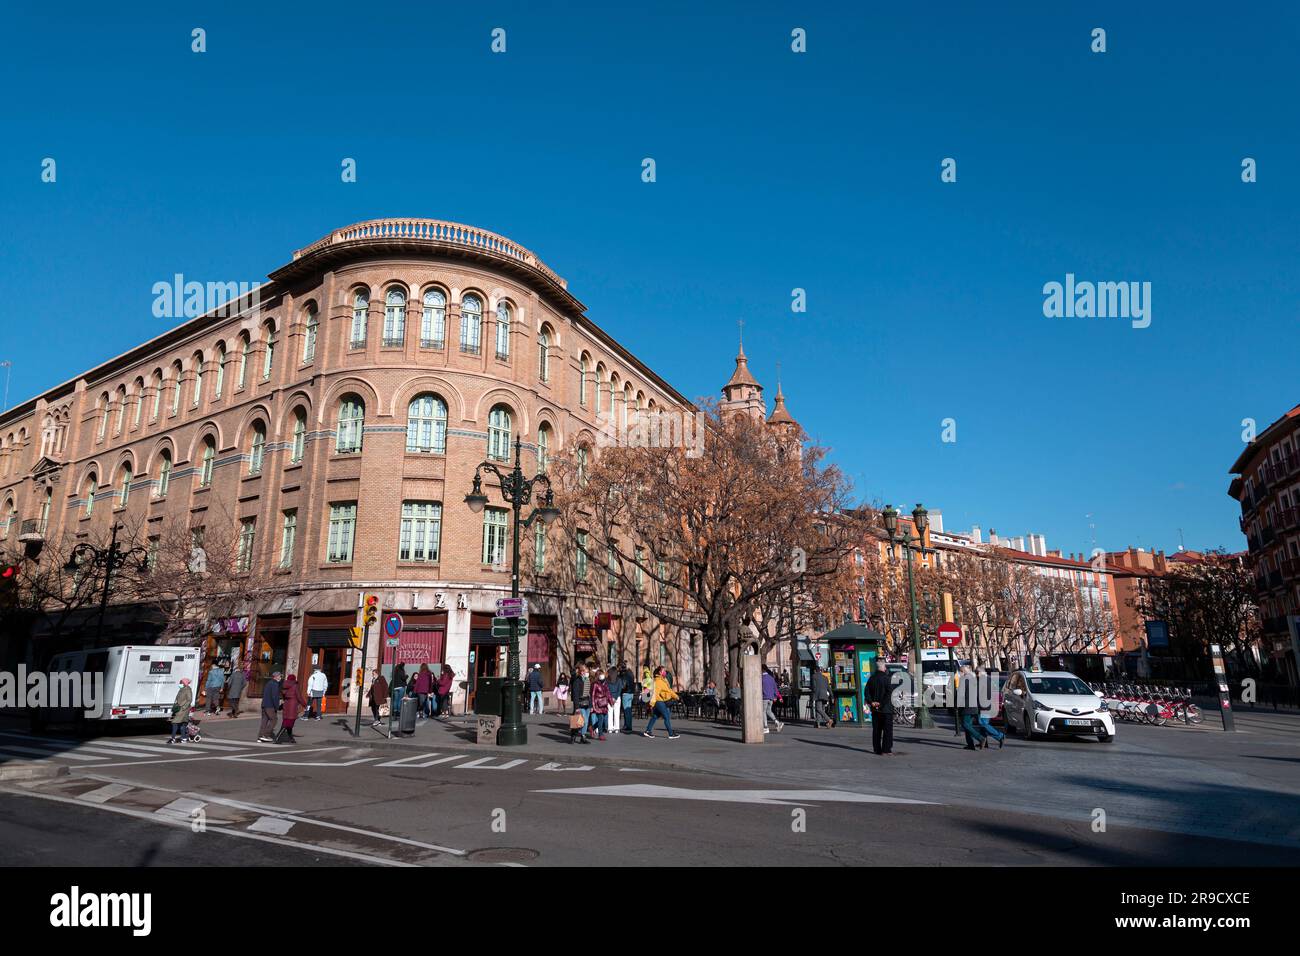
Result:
[{"x": 1138, "y": 703}]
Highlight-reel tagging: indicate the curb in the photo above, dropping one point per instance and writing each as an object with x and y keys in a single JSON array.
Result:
[{"x": 31, "y": 770}]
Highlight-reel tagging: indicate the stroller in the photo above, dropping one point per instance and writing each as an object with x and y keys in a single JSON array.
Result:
[{"x": 193, "y": 732}]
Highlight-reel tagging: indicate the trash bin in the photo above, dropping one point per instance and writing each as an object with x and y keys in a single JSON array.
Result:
[
  {"x": 487, "y": 695},
  {"x": 410, "y": 705}
]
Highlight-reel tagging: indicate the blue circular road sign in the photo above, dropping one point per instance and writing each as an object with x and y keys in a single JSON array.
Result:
[{"x": 393, "y": 625}]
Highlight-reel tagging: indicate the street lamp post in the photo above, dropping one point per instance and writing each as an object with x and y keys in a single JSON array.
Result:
[
  {"x": 517, "y": 491},
  {"x": 912, "y": 545},
  {"x": 110, "y": 559}
]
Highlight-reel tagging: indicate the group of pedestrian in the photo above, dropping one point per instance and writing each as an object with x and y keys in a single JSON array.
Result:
[
  {"x": 975, "y": 715},
  {"x": 433, "y": 695},
  {"x": 603, "y": 701},
  {"x": 225, "y": 680}
]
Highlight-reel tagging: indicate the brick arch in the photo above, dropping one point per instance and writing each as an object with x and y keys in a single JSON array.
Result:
[
  {"x": 160, "y": 446},
  {"x": 208, "y": 429},
  {"x": 340, "y": 387},
  {"x": 428, "y": 382},
  {"x": 298, "y": 398},
  {"x": 501, "y": 395},
  {"x": 258, "y": 411}
]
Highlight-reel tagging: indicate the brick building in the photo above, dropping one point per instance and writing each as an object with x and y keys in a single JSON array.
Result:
[{"x": 337, "y": 414}]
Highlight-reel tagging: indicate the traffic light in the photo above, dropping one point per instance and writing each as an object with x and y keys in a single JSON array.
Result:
[
  {"x": 356, "y": 637},
  {"x": 371, "y": 612},
  {"x": 8, "y": 584}
]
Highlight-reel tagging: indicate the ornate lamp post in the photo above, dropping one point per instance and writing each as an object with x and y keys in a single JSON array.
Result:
[
  {"x": 517, "y": 491},
  {"x": 911, "y": 545},
  {"x": 110, "y": 559}
]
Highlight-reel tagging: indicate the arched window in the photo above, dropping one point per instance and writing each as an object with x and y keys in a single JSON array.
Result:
[
  {"x": 544, "y": 354},
  {"x": 426, "y": 425},
  {"x": 245, "y": 344},
  {"x": 360, "y": 306},
  {"x": 209, "y": 458},
  {"x": 219, "y": 363},
  {"x": 433, "y": 323},
  {"x": 157, "y": 385},
  {"x": 139, "y": 404},
  {"x": 258, "y": 450},
  {"x": 309, "y": 340},
  {"x": 600, "y": 387},
  {"x": 471, "y": 323},
  {"x": 614, "y": 395},
  {"x": 503, "y": 330},
  {"x": 543, "y": 447},
  {"x": 164, "y": 475},
  {"x": 268, "y": 357},
  {"x": 627, "y": 402},
  {"x": 124, "y": 494},
  {"x": 91, "y": 490},
  {"x": 583, "y": 367},
  {"x": 395, "y": 318},
  {"x": 198, "y": 379},
  {"x": 46, "y": 503},
  {"x": 177, "y": 371},
  {"x": 352, "y": 420},
  {"x": 499, "y": 433},
  {"x": 582, "y": 466},
  {"x": 299, "y": 436},
  {"x": 103, "y": 416},
  {"x": 121, "y": 409}
]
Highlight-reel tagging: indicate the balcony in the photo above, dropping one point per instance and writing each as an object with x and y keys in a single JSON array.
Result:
[
  {"x": 1290, "y": 568},
  {"x": 1274, "y": 580},
  {"x": 31, "y": 531}
]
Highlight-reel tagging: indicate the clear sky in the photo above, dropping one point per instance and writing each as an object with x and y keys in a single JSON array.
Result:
[{"x": 775, "y": 171}]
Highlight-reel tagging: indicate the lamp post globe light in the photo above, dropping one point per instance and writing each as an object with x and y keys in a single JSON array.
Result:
[
  {"x": 516, "y": 491},
  {"x": 110, "y": 559},
  {"x": 912, "y": 545}
]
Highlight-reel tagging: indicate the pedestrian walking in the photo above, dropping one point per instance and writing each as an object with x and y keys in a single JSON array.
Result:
[
  {"x": 445, "y": 681},
  {"x": 880, "y": 696},
  {"x": 398, "y": 685},
  {"x": 562, "y": 692},
  {"x": 181, "y": 712},
  {"x": 580, "y": 688},
  {"x": 968, "y": 710},
  {"x": 615, "y": 683},
  {"x": 601, "y": 700},
  {"x": 628, "y": 699},
  {"x": 238, "y": 681},
  {"x": 291, "y": 700},
  {"x": 821, "y": 694},
  {"x": 317, "y": 684},
  {"x": 733, "y": 702},
  {"x": 424, "y": 688},
  {"x": 213, "y": 686},
  {"x": 660, "y": 696},
  {"x": 770, "y": 696},
  {"x": 270, "y": 708},
  {"x": 989, "y": 706},
  {"x": 535, "y": 688},
  {"x": 377, "y": 695}
]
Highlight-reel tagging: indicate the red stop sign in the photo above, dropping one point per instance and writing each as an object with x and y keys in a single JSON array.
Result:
[{"x": 949, "y": 634}]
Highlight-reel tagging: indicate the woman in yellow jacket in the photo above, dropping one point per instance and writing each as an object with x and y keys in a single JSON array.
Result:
[{"x": 660, "y": 695}]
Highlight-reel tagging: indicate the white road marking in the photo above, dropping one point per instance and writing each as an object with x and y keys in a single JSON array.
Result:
[
  {"x": 106, "y": 792},
  {"x": 419, "y": 761},
  {"x": 10, "y": 750},
  {"x": 484, "y": 763},
  {"x": 779, "y": 797},
  {"x": 217, "y": 828},
  {"x": 558, "y": 767},
  {"x": 277, "y": 825},
  {"x": 182, "y": 807}
]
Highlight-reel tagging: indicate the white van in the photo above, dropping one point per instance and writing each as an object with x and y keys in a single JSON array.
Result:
[{"x": 139, "y": 682}]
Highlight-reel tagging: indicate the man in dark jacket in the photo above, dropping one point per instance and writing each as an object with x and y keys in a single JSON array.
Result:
[
  {"x": 629, "y": 694},
  {"x": 535, "y": 688},
  {"x": 880, "y": 695},
  {"x": 615, "y": 684},
  {"x": 580, "y": 690},
  {"x": 270, "y": 706},
  {"x": 821, "y": 695}
]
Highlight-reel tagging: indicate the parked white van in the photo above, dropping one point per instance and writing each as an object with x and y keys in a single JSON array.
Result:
[{"x": 138, "y": 682}]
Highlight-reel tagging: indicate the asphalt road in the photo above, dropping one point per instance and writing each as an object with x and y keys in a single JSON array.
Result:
[{"x": 291, "y": 807}]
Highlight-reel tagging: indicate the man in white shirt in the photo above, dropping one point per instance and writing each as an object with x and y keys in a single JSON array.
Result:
[{"x": 317, "y": 684}]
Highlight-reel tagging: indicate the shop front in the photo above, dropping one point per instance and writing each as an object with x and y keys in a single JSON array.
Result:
[
  {"x": 542, "y": 648},
  {"x": 227, "y": 646},
  {"x": 852, "y": 650},
  {"x": 327, "y": 641},
  {"x": 423, "y": 641},
  {"x": 266, "y": 651}
]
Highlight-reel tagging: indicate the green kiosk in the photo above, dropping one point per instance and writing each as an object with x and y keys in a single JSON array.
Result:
[{"x": 853, "y": 650}]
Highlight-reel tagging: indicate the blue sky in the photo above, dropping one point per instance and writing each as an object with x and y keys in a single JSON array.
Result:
[{"x": 775, "y": 171}]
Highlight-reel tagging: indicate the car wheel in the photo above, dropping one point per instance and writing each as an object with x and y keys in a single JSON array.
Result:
[
  {"x": 1008, "y": 722},
  {"x": 1105, "y": 738},
  {"x": 1030, "y": 733}
]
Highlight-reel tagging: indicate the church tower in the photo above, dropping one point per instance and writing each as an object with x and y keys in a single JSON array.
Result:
[{"x": 742, "y": 394}]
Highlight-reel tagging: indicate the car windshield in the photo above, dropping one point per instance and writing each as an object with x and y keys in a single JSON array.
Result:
[
  {"x": 929, "y": 667},
  {"x": 1058, "y": 685}
]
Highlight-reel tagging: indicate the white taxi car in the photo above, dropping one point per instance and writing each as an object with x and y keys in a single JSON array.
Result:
[{"x": 1039, "y": 703}]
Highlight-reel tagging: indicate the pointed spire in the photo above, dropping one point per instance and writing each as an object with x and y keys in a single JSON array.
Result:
[
  {"x": 742, "y": 375},
  {"x": 780, "y": 416}
]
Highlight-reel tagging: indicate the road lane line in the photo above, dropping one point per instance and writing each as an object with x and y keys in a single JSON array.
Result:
[
  {"x": 277, "y": 825},
  {"x": 560, "y": 767},
  {"x": 484, "y": 763},
  {"x": 13, "y": 751}
]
